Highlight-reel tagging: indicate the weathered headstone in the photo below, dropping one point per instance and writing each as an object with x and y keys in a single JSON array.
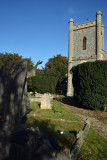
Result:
[
  {"x": 14, "y": 102},
  {"x": 46, "y": 101},
  {"x": 14, "y": 99}
]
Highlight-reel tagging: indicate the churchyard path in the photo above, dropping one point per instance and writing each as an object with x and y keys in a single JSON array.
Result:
[{"x": 98, "y": 119}]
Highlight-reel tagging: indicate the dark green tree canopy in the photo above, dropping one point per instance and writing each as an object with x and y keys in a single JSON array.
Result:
[
  {"x": 90, "y": 84},
  {"x": 56, "y": 67},
  {"x": 11, "y": 60}
]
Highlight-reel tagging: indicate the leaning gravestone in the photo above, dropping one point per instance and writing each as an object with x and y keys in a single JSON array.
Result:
[{"x": 46, "y": 101}]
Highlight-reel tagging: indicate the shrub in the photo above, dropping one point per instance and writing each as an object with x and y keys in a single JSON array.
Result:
[
  {"x": 44, "y": 84},
  {"x": 90, "y": 84}
]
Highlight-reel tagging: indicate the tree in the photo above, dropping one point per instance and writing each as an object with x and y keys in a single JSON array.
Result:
[
  {"x": 38, "y": 63},
  {"x": 56, "y": 67},
  {"x": 37, "y": 71},
  {"x": 11, "y": 60},
  {"x": 40, "y": 72},
  {"x": 30, "y": 64}
]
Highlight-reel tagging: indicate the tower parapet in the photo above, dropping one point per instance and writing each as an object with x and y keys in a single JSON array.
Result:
[{"x": 84, "y": 25}]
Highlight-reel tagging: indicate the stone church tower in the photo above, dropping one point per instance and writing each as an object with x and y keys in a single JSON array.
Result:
[{"x": 86, "y": 43}]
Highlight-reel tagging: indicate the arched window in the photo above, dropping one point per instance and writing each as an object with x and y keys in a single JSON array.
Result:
[{"x": 84, "y": 43}]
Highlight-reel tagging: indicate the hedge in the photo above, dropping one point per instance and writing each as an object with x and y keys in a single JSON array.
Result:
[
  {"x": 44, "y": 84},
  {"x": 90, "y": 84}
]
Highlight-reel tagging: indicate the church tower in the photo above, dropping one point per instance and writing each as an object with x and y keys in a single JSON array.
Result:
[{"x": 86, "y": 43}]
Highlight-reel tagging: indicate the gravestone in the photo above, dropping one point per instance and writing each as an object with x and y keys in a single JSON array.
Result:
[
  {"x": 14, "y": 102},
  {"x": 46, "y": 101},
  {"x": 14, "y": 99}
]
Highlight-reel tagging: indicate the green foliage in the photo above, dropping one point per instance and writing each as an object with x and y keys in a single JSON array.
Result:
[
  {"x": 105, "y": 107},
  {"x": 40, "y": 72},
  {"x": 10, "y": 61},
  {"x": 56, "y": 67},
  {"x": 44, "y": 84},
  {"x": 90, "y": 84},
  {"x": 30, "y": 64},
  {"x": 29, "y": 84}
]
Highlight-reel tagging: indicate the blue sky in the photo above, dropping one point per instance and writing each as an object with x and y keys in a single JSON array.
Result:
[{"x": 39, "y": 28}]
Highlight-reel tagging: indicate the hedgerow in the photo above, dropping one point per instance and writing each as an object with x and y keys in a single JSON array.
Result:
[{"x": 90, "y": 84}]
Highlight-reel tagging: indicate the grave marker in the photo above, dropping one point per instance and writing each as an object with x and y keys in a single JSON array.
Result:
[{"x": 46, "y": 101}]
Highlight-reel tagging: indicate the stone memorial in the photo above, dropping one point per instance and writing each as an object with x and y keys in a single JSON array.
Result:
[
  {"x": 46, "y": 101},
  {"x": 14, "y": 102}
]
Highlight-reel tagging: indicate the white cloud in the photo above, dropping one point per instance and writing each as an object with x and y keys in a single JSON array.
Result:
[{"x": 71, "y": 11}]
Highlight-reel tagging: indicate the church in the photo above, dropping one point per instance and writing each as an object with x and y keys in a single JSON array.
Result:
[{"x": 86, "y": 43}]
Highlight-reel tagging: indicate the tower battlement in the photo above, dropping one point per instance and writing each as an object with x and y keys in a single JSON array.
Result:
[{"x": 84, "y": 25}]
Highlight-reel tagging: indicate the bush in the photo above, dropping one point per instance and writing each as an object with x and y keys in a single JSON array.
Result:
[
  {"x": 90, "y": 84},
  {"x": 44, "y": 84}
]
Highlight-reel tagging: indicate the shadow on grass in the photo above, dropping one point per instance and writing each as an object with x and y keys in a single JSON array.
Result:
[
  {"x": 46, "y": 127},
  {"x": 39, "y": 105},
  {"x": 71, "y": 101}
]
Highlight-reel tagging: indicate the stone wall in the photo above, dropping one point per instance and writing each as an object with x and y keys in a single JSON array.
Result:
[
  {"x": 79, "y": 61},
  {"x": 90, "y": 34}
]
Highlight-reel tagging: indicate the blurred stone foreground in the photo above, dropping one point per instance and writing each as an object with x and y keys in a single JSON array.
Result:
[{"x": 18, "y": 141}]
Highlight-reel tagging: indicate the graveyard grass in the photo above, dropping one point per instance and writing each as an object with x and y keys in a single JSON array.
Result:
[
  {"x": 94, "y": 146},
  {"x": 57, "y": 112}
]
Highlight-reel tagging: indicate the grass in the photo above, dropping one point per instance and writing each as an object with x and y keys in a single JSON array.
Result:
[
  {"x": 94, "y": 146},
  {"x": 63, "y": 140},
  {"x": 57, "y": 112},
  {"x": 30, "y": 94},
  {"x": 45, "y": 120}
]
